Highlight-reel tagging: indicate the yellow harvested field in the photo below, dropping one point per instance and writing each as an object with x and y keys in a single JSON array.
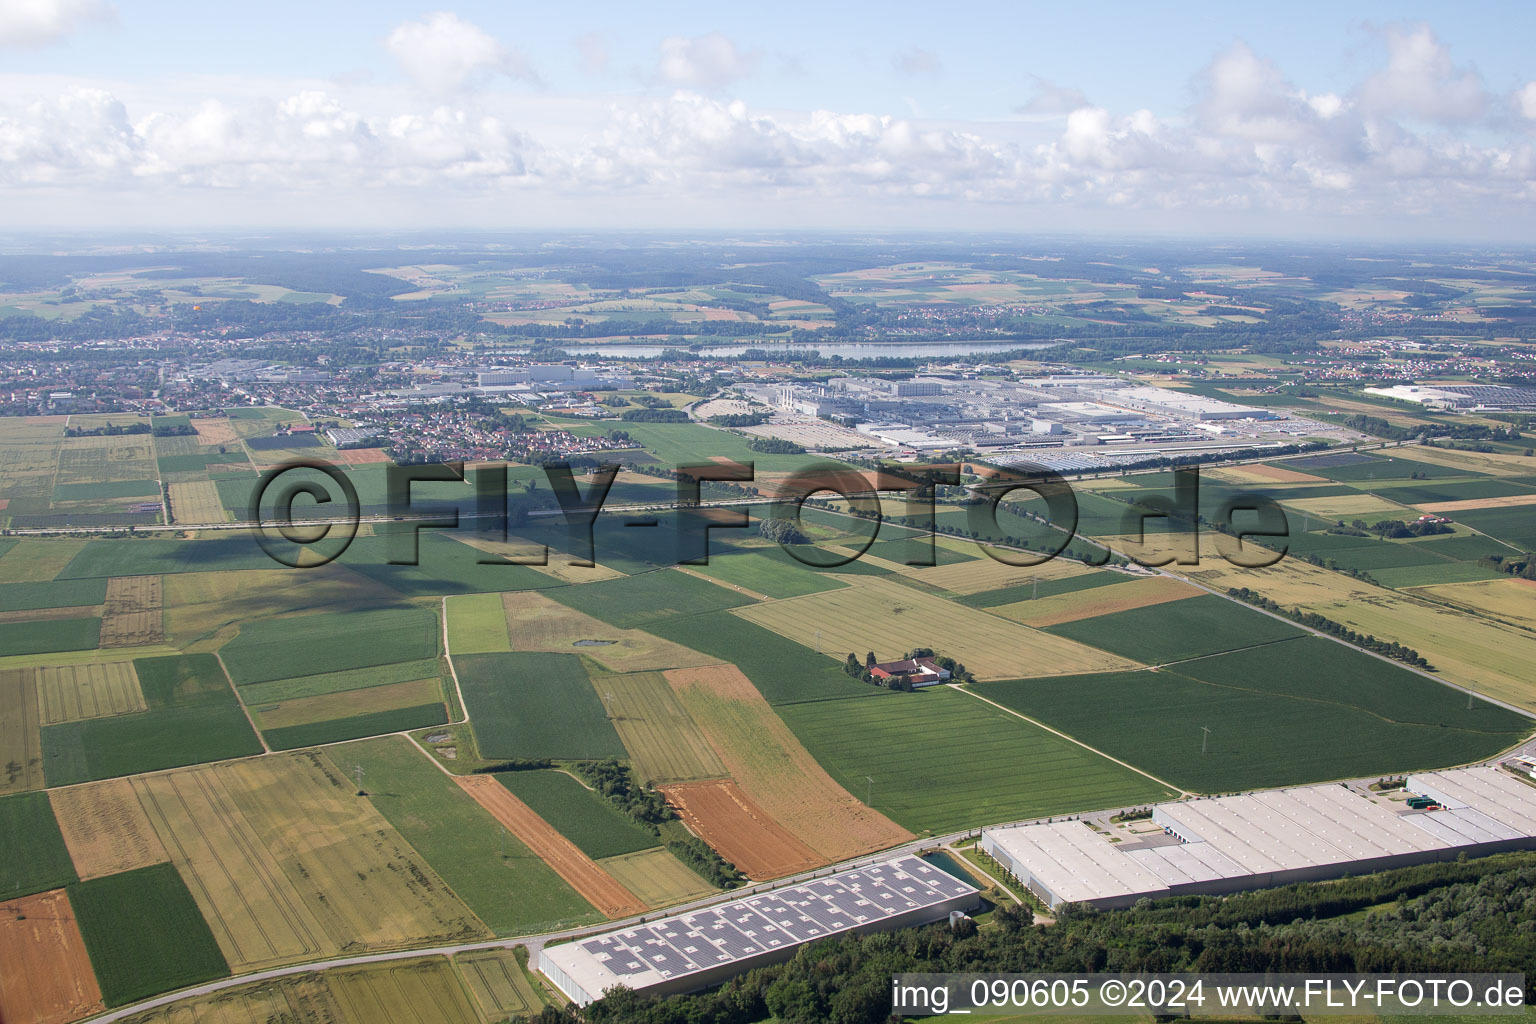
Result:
[
  {"x": 79, "y": 611},
  {"x": 197, "y": 502},
  {"x": 1492, "y": 463},
  {"x": 215, "y": 431},
  {"x": 1086, "y": 604},
  {"x": 771, "y": 766},
  {"x": 1260, "y": 474},
  {"x": 426, "y": 991},
  {"x": 1511, "y": 600},
  {"x": 21, "y": 745},
  {"x": 876, "y": 614},
  {"x": 33, "y": 561},
  {"x": 987, "y": 573},
  {"x": 1467, "y": 505},
  {"x": 287, "y": 864},
  {"x": 1348, "y": 506},
  {"x": 1486, "y": 656},
  {"x": 496, "y": 981},
  {"x": 664, "y": 742},
  {"x": 71, "y": 693},
  {"x": 557, "y": 564},
  {"x": 134, "y": 612},
  {"x": 656, "y": 877},
  {"x": 105, "y": 828},
  {"x": 539, "y": 623}
]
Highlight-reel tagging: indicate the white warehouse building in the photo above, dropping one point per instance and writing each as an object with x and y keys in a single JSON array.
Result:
[
  {"x": 687, "y": 952},
  {"x": 1270, "y": 838}
]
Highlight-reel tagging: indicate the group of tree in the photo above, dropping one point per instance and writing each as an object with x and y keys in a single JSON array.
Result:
[
  {"x": 654, "y": 416},
  {"x": 782, "y": 531},
  {"x": 741, "y": 419},
  {"x": 1389, "y": 648},
  {"x": 775, "y": 446},
  {"x": 1520, "y": 566}
]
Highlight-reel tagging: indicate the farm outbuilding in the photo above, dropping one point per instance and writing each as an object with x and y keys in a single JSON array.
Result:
[{"x": 1271, "y": 838}]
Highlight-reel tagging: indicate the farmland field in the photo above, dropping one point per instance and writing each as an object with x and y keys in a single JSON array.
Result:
[
  {"x": 767, "y": 571},
  {"x": 45, "y": 973},
  {"x": 50, "y": 594},
  {"x": 893, "y": 749},
  {"x": 496, "y": 981},
  {"x": 596, "y": 827},
  {"x": 987, "y": 573},
  {"x": 196, "y": 501},
  {"x": 477, "y": 624},
  {"x": 646, "y": 597},
  {"x": 1036, "y": 589},
  {"x": 144, "y": 934},
  {"x": 346, "y": 703},
  {"x": 538, "y": 623},
  {"x": 1510, "y": 600},
  {"x": 535, "y": 705},
  {"x": 1486, "y": 656},
  {"x": 313, "y": 644},
  {"x": 507, "y": 886},
  {"x": 132, "y": 613},
  {"x": 70, "y": 693},
  {"x": 1086, "y": 604},
  {"x": 373, "y": 723},
  {"x": 1302, "y": 710},
  {"x": 656, "y": 877},
  {"x": 425, "y": 991},
  {"x": 772, "y": 767},
  {"x": 193, "y": 717},
  {"x": 578, "y": 870},
  {"x": 1163, "y": 633},
  {"x": 201, "y": 605},
  {"x": 338, "y": 682},
  {"x": 31, "y": 847},
  {"x": 874, "y": 614},
  {"x": 49, "y": 636},
  {"x": 288, "y": 864},
  {"x": 21, "y": 750},
  {"x": 743, "y": 833},
  {"x": 105, "y": 828},
  {"x": 663, "y": 741}
]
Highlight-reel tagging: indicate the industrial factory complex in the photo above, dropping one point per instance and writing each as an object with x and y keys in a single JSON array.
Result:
[
  {"x": 703, "y": 948},
  {"x": 1271, "y": 838}
]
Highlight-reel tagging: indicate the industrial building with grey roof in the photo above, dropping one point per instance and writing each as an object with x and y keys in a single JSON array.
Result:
[
  {"x": 686, "y": 952},
  {"x": 1270, "y": 838}
]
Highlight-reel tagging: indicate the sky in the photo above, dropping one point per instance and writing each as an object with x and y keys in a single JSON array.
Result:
[{"x": 1328, "y": 120}]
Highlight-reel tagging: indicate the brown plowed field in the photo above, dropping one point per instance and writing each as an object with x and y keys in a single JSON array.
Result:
[
  {"x": 105, "y": 828},
  {"x": 1262, "y": 474},
  {"x": 360, "y": 456},
  {"x": 133, "y": 612},
  {"x": 1468, "y": 504},
  {"x": 772, "y": 767},
  {"x": 581, "y": 872},
  {"x": 744, "y": 834},
  {"x": 45, "y": 974}
]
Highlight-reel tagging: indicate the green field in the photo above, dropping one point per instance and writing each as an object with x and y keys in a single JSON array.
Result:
[
  {"x": 1302, "y": 710},
  {"x": 337, "y": 682},
  {"x": 193, "y": 718},
  {"x": 48, "y": 636},
  {"x": 526, "y": 705},
  {"x": 510, "y": 889},
  {"x": 1178, "y": 630},
  {"x": 142, "y": 556},
  {"x": 444, "y": 566},
  {"x": 583, "y": 817},
  {"x": 31, "y": 847},
  {"x": 941, "y": 760},
  {"x": 477, "y": 624},
  {"x": 375, "y": 723},
  {"x": 782, "y": 670},
  {"x": 632, "y": 601},
  {"x": 53, "y": 594},
  {"x": 144, "y": 934},
  {"x": 768, "y": 571},
  {"x": 332, "y": 642}
]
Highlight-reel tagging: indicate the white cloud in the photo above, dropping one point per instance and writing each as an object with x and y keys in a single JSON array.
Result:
[
  {"x": 703, "y": 62},
  {"x": 1050, "y": 98},
  {"x": 40, "y": 22},
  {"x": 1419, "y": 81},
  {"x": 918, "y": 61},
  {"x": 445, "y": 54},
  {"x": 1525, "y": 101}
]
